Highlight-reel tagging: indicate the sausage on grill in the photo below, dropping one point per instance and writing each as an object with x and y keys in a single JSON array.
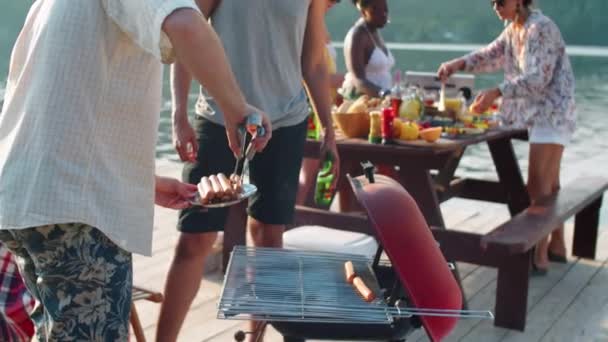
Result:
[
  {"x": 349, "y": 270},
  {"x": 363, "y": 290}
]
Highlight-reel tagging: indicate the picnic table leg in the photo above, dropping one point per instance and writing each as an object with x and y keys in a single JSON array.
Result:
[
  {"x": 446, "y": 174},
  {"x": 420, "y": 185},
  {"x": 586, "y": 225},
  {"x": 509, "y": 175},
  {"x": 512, "y": 292}
]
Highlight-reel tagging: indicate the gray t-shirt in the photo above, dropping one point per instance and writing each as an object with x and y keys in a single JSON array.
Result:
[{"x": 263, "y": 40}]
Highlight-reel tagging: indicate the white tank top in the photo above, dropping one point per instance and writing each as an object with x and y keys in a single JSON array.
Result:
[{"x": 377, "y": 70}]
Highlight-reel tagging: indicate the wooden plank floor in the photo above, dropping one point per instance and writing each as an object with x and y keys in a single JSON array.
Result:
[{"x": 570, "y": 304}]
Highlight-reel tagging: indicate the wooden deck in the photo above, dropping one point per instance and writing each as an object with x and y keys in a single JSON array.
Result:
[{"x": 570, "y": 304}]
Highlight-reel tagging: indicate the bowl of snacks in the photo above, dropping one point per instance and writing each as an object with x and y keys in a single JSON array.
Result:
[{"x": 352, "y": 117}]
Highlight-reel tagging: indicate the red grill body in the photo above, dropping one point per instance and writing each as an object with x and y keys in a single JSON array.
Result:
[{"x": 412, "y": 250}]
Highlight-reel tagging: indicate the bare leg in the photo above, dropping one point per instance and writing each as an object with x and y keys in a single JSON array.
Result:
[
  {"x": 543, "y": 176},
  {"x": 308, "y": 172},
  {"x": 557, "y": 245},
  {"x": 263, "y": 235},
  {"x": 183, "y": 282}
]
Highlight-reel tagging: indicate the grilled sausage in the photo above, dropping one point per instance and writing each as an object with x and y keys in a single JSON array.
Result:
[
  {"x": 237, "y": 183},
  {"x": 363, "y": 290},
  {"x": 349, "y": 270},
  {"x": 226, "y": 186},
  {"x": 205, "y": 190},
  {"x": 217, "y": 187}
]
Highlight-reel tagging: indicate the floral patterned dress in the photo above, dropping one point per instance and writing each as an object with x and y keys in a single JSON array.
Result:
[{"x": 538, "y": 89}]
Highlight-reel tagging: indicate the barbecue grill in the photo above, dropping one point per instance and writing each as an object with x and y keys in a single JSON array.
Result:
[{"x": 305, "y": 295}]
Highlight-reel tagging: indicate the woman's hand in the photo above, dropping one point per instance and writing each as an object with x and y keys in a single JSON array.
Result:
[
  {"x": 173, "y": 194},
  {"x": 184, "y": 139},
  {"x": 485, "y": 100},
  {"x": 328, "y": 145},
  {"x": 448, "y": 68}
]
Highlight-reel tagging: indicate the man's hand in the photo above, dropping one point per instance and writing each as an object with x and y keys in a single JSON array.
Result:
[
  {"x": 184, "y": 139},
  {"x": 328, "y": 145},
  {"x": 485, "y": 100},
  {"x": 234, "y": 137},
  {"x": 173, "y": 194}
]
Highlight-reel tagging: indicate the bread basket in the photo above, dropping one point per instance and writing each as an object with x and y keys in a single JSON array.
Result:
[{"x": 352, "y": 125}]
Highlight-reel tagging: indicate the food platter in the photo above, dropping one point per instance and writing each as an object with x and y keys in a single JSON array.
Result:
[{"x": 248, "y": 191}]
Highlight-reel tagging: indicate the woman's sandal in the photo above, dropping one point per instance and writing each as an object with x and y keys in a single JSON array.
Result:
[
  {"x": 557, "y": 258},
  {"x": 536, "y": 271}
]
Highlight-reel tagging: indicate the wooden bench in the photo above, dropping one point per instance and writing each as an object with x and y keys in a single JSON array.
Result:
[{"x": 511, "y": 244}]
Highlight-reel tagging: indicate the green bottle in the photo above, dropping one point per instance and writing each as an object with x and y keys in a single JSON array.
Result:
[
  {"x": 313, "y": 131},
  {"x": 324, "y": 192}
]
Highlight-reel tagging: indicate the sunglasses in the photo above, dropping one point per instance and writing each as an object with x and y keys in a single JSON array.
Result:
[{"x": 498, "y": 3}]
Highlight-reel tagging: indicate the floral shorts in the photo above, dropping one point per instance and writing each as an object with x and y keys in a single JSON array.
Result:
[{"x": 80, "y": 278}]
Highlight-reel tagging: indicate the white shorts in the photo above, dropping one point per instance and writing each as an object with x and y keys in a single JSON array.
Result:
[{"x": 548, "y": 135}]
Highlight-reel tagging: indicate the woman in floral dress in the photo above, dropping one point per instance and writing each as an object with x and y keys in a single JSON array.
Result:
[{"x": 537, "y": 93}]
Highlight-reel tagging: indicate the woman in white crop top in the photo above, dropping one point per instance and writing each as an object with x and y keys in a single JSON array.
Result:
[{"x": 368, "y": 60}]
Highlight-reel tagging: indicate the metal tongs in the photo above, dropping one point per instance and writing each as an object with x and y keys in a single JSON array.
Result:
[{"x": 252, "y": 128}]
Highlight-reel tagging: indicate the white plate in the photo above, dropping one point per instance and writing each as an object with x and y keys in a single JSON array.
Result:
[{"x": 248, "y": 191}]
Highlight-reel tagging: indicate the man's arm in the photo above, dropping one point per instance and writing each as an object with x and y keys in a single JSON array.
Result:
[
  {"x": 201, "y": 54},
  {"x": 180, "y": 78},
  {"x": 314, "y": 69},
  {"x": 316, "y": 77},
  {"x": 184, "y": 137}
]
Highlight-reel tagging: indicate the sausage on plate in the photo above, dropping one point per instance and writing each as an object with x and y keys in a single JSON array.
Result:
[
  {"x": 217, "y": 187},
  {"x": 237, "y": 183},
  {"x": 226, "y": 186},
  {"x": 205, "y": 190}
]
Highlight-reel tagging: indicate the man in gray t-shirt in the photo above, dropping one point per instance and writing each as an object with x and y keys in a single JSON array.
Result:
[{"x": 276, "y": 50}]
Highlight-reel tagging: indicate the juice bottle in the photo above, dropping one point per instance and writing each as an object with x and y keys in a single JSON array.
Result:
[
  {"x": 324, "y": 191},
  {"x": 375, "y": 126},
  {"x": 387, "y": 125},
  {"x": 396, "y": 93}
]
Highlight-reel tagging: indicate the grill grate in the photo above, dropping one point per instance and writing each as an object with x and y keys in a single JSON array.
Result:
[{"x": 285, "y": 285}]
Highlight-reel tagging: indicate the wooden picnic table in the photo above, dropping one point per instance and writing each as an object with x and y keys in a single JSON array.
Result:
[{"x": 417, "y": 159}]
